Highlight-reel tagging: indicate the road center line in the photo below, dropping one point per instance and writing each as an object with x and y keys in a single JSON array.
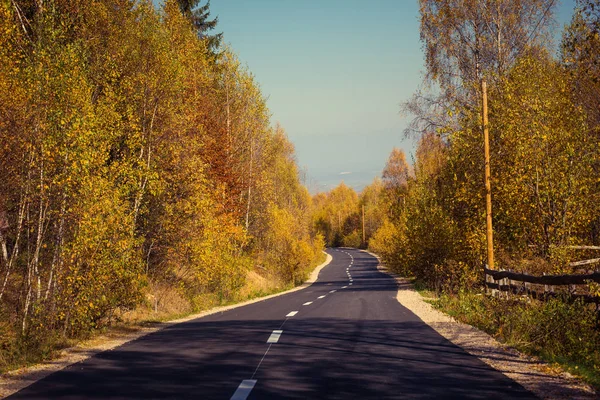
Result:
[
  {"x": 308, "y": 303},
  {"x": 320, "y": 297},
  {"x": 292, "y": 313},
  {"x": 274, "y": 338},
  {"x": 261, "y": 361},
  {"x": 242, "y": 392},
  {"x": 344, "y": 287}
]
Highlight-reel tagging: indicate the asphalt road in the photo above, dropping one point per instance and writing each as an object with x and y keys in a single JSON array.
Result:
[{"x": 344, "y": 337}]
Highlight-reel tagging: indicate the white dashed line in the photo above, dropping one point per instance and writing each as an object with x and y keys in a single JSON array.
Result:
[
  {"x": 274, "y": 338},
  {"x": 332, "y": 291},
  {"x": 320, "y": 297},
  {"x": 344, "y": 287},
  {"x": 350, "y": 284},
  {"x": 308, "y": 303},
  {"x": 242, "y": 392},
  {"x": 292, "y": 313}
]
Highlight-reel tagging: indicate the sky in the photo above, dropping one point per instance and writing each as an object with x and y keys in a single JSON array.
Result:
[{"x": 335, "y": 73}]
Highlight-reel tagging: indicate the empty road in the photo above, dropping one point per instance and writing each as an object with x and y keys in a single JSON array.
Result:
[{"x": 344, "y": 337}]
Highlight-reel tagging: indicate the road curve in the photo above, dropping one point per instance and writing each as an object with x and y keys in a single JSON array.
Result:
[{"x": 344, "y": 337}]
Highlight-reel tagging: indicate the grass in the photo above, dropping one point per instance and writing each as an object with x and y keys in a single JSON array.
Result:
[{"x": 562, "y": 333}]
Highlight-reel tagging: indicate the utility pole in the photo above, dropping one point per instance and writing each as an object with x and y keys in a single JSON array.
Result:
[
  {"x": 363, "y": 224},
  {"x": 488, "y": 184}
]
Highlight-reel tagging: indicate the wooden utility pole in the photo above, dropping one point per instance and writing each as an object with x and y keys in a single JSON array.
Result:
[
  {"x": 363, "y": 224},
  {"x": 488, "y": 184}
]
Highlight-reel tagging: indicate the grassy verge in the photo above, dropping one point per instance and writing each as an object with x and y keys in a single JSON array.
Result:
[
  {"x": 561, "y": 333},
  {"x": 169, "y": 304},
  {"x": 427, "y": 294}
]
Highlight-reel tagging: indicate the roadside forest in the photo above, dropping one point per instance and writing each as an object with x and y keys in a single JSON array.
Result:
[
  {"x": 140, "y": 173},
  {"x": 426, "y": 218}
]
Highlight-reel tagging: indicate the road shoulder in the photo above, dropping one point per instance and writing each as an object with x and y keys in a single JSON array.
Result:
[{"x": 531, "y": 373}]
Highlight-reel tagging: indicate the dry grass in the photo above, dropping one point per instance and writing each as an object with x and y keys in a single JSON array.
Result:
[
  {"x": 258, "y": 284},
  {"x": 162, "y": 302}
]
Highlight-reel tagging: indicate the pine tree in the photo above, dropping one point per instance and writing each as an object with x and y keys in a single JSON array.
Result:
[{"x": 199, "y": 17}]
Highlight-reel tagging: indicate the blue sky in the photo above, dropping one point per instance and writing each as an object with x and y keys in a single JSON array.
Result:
[{"x": 335, "y": 73}]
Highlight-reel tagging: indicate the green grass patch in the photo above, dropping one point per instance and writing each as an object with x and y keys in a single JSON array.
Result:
[{"x": 558, "y": 331}]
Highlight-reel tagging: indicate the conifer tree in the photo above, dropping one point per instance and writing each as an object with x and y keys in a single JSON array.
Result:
[{"x": 199, "y": 18}]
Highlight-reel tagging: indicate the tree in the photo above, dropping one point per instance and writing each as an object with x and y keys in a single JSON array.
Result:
[
  {"x": 395, "y": 181},
  {"x": 375, "y": 207},
  {"x": 543, "y": 154},
  {"x": 581, "y": 55},
  {"x": 466, "y": 40},
  {"x": 199, "y": 18},
  {"x": 397, "y": 171},
  {"x": 336, "y": 216}
]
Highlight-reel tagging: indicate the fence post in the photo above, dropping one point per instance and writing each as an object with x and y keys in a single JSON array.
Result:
[{"x": 486, "y": 281}]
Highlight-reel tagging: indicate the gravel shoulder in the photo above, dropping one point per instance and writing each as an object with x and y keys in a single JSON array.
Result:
[
  {"x": 530, "y": 372},
  {"x": 16, "y": 380}
]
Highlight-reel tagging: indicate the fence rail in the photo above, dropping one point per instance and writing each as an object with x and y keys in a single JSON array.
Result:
[
  {"x": 543, "y": 289},
  {"x": 557, "y": 280}
]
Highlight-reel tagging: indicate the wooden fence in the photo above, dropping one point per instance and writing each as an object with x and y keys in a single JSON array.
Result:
[{"x": 542, "y": 287}]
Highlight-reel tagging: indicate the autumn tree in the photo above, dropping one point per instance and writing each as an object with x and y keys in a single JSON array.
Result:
[
  {"x": 465, "y": 40},
  {"x": 395, "y": 178},
  {"x": 336, "y": 216},
  {"x": 133, "y": 163},
  {"x": 580, "y": 53},
  {"x": 375, "y": 205},
  {"x": 547, "y": 158}
]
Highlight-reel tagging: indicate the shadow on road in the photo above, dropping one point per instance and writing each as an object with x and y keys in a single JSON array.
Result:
[
  {"x": 382, "y": 352},
  {"x": 315, "y": 358}
]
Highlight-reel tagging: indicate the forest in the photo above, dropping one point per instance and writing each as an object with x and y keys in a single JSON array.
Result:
[
  {"x": 427, "y": 218},
  {"x": 140, "y": 174}
]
